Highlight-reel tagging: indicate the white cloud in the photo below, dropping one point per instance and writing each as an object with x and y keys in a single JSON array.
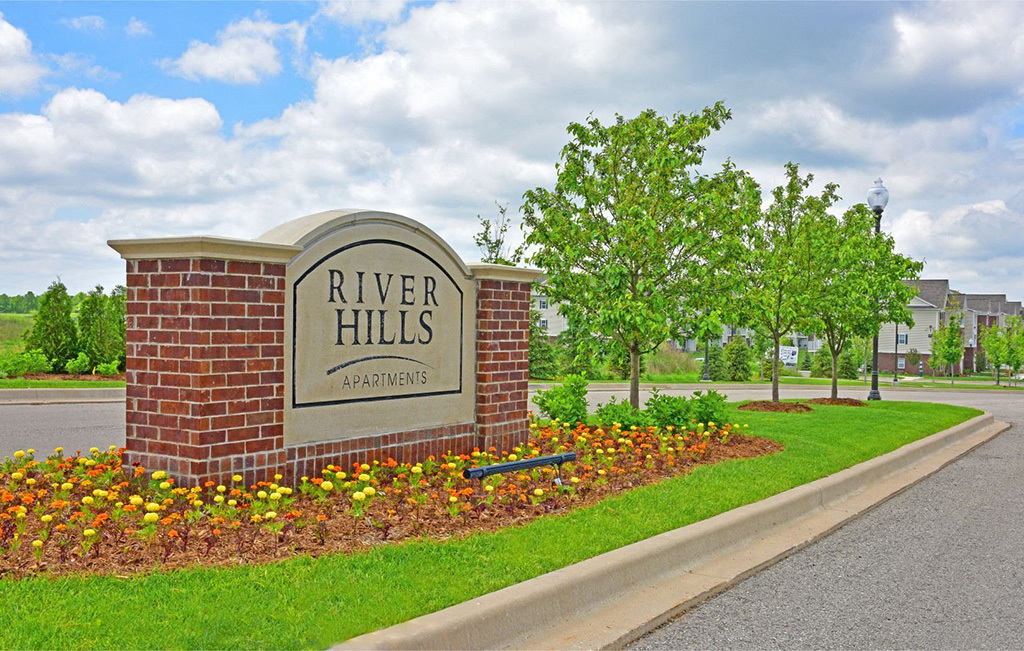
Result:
[
  {"x": 20, "y": 70},
  {"x": 357, "y": 12},
  {"x": 82, "y": 65},
  {"x": 85, "y": 23},
  {"x": 136, "y": 27},
  {"x": 246, "y": 52}
]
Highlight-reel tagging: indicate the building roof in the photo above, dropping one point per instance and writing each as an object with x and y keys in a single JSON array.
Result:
[
  {"x": 933, "y": 292},
  {"x": 989, "y": 303}
]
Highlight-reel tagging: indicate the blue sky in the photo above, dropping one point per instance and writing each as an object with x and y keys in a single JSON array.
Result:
[{"x": 132, "y": 119}]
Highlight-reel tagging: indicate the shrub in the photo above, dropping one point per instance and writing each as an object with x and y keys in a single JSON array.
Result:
[
  {"x": 54, "y": 331},
  {"x": 32, "y": 361},
  {"x": 708, "y": 408},
  {"x": 622, "y": 413},
  {"x": 79, "y": 365},
  {"x": 848, "y": 363},
  {"x": 663, "y": 411},
  {"x": 567, "y": 402},
  {"x": 110, "y": 368},
  {"x": 100, "y": 325},
  {"x": 716, "y": 364},
  {"x": 736, "y": 360},
  {"x": 805, "y": 360},
  {"x": 821, "y": 365}
]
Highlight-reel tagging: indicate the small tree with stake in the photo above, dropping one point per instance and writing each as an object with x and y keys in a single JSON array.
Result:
[{"x": 948, "y": 342}]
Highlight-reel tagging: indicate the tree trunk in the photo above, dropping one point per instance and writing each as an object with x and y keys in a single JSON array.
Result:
[
  {"x": 997, "y": 375},
  {"x": 835, "y": 376},
  {"x": 634, "y": 376},
  {"x": 775, "y": 370}
]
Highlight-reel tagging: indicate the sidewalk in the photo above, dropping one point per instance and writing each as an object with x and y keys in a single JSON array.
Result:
[{"x": 58, "y": 396}]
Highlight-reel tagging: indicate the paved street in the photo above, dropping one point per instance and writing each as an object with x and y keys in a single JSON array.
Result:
[{"x": 939, "y": 566}]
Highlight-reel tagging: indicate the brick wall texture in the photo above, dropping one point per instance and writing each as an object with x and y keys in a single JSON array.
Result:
[{"x": 205, "y": 376}]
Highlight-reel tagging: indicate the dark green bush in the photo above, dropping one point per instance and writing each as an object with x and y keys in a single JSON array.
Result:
[
  {"x": 622, "y": 413},
  {"x": 708, "y": 408},
  {"x": 32, "y": 361},
  {"x": 79, "y": 365},
  {"x": 667, "y": 410}
]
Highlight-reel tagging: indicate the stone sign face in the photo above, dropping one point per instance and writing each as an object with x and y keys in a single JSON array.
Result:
[
  {"x": 380, "y": 326},
  {"x": 376, "y": 319}
]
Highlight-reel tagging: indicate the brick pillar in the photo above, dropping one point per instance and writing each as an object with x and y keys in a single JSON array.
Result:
[
  {"x": 502, "y": 348},
  {"x": 205, "y": 362}
]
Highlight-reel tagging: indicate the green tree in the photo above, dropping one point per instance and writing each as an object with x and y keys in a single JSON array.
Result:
[
  {"x": 760, "y": 345},
  {"x": 101, "y": 328},
  {"x": 913, "y": 358},
  {"x": 995, "y": 343},
  {"x": 980, "y": 360},
  {"x": 54, "y": 331},
  {"x": 636, "y": 244},
  {"x": 1015, "y": 343},
  {"x": 948, "y": 342},
  {"x": 736, "y": 359},
  {"x": 716, "y": 363},
  {"x": 543, "y": 354},
  {"x": 493, "y": 240},
  {"x": 778, "y": 259},
  {"x": 858, "y": 282}
]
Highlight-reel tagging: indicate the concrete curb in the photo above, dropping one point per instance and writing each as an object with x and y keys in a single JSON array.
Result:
[
  {"x": 614, "y": 598},
  {"x": 53, "y": 396}
]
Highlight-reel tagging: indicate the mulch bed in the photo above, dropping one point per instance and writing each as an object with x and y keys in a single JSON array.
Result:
[
  {"x": 838, "y": 402},
  {"x": 768, "y": 405},
  {"x": 388, "y": 519},
  {"x": 85, "y": 377}
]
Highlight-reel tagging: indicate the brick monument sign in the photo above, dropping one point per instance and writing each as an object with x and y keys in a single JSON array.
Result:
[{"x": 334, "y": 338}]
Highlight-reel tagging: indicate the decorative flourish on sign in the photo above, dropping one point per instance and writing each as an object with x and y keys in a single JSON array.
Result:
[{"x": 374, "y": 357}]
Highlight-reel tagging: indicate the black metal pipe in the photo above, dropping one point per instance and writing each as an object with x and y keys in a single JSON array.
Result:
[{"x": 522, "y": 464}]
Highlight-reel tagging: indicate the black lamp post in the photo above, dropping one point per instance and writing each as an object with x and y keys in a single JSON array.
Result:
[
  {"x": 878, "y": 196},
  {"x": 896, "y": 358}
]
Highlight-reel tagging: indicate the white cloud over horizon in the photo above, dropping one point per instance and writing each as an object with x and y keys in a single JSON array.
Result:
[{"x": 451, "y": 106}]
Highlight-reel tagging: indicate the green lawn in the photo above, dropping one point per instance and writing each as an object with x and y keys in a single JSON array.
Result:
[
  {"x": 18, "y": 383},
  {"x": 11, "y": 328},
  {"x": 313, "y": 603}
]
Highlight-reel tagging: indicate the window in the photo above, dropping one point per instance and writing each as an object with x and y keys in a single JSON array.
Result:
[
  {"x": 542, "y": 304},
  {"x": 902, "y": 339},
  {"x": 543, "y": 323},
  {"x": 901, "y": 363}
]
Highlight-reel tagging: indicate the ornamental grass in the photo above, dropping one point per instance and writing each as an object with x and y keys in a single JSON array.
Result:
[{"x": 88, "y": 513}]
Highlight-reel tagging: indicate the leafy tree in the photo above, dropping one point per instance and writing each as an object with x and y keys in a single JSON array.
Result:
[
  {"x": 633, "y": 238},
  {"x": 1015, "y": 343},
  {"x": 913, "y": 359},
  {"x": 980, "y": 360},
  {"x": 736, "y": 359},
  {"x": 54, "y": 331},
  {"x": 542, "y": 353},
  {"x": 778, "y": 262},
  {"x": 948, "y": 342},
  {"x": 101, "y": 327},
  {"x": 493, "y": 240},
  {"x": 760, "y": 345},
  {"x": 858, "y": 282},
  {"x": 996, "y": 344}
]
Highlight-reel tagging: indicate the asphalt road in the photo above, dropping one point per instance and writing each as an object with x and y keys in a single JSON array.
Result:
[{"x": 937, "y": 567}]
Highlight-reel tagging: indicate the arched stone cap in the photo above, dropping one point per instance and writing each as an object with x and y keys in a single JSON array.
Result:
[{"x": 306, "y": 231}]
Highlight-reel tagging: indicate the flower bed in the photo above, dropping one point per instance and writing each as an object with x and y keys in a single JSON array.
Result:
[{"x": 86, "y": 513}]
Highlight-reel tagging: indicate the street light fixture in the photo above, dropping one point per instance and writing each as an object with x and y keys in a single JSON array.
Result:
[{"x": 878, "y": 197}]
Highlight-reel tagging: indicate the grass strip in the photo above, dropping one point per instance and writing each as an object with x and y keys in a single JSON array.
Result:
[
  {"x": 18, "y": 383},
  {"x": 313, "y": 603}
]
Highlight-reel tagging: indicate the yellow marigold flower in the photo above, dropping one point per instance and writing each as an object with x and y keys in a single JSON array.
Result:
[
  {"x": 274, "y": 487},
  {"x": 364, "y": 477},
  {"x": 538, "y": 491},
  {"x": 159, "y": 474},
  {"x": 37, "y": 543},
  {"x": 575, "y": 480},
  {"x": 262, "y": 495},
  {"x": 67, "y": 486},
  {"x": 359, "y": 496},
  {"x": 512, "y": 457},
  {"x": 269, "y": 515},
  {"x": 370, "y": 491},
  {"x": 88, "y": 533},
  {"x": 47, "y": 518},
  {"x": 218, "y": 498},
  {"x": 94, "y": 450},
  {"x": 30, "y": 481},
  {"x": 257, "y": 518},
  {"x": 275, "y": 496},
  {"x": 284, "y": 490},
  {"x": 236, "y": 478},
  {"x": 88, "y": 499},
  {"x": 19, "y": 454},
  {"x": 164, "y": 485},
  {"x": 417, "y": 470},
  {"x": 232, "y": 502},
  {"x": 340, "y": 475},
  {"x": 221, "y": 488},
  {"x": 58, "y": 450},
  {"x": 489, "y": 488},
  {"x": 152, "y": 507},
  {"x": 151, "y": 517},
  {"x": 112, "y": 448},
  {"x": 136, "y": 500},
  {"x": 197, "y": 502},
  {"x": 327, "y": 486},
  {"x": 453, "y": 499},
  {"x": 364, "y": 467},
  {"x": 16, "y": 476},
  {"x": 90, "y": 463},
  {"x": 601, "y": 471},
  {"x": 278, "y": 477}
]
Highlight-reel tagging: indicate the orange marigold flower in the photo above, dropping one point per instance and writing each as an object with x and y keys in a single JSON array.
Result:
[
  {"x": 129, "y": 508},
  {"x": 321, "y": 517},
  {"x": 166, "y": 521},
  {"x": 172, "y": 533},
  {"x": 216, "y": 532},
  {"x": 129, "y": 531}
]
